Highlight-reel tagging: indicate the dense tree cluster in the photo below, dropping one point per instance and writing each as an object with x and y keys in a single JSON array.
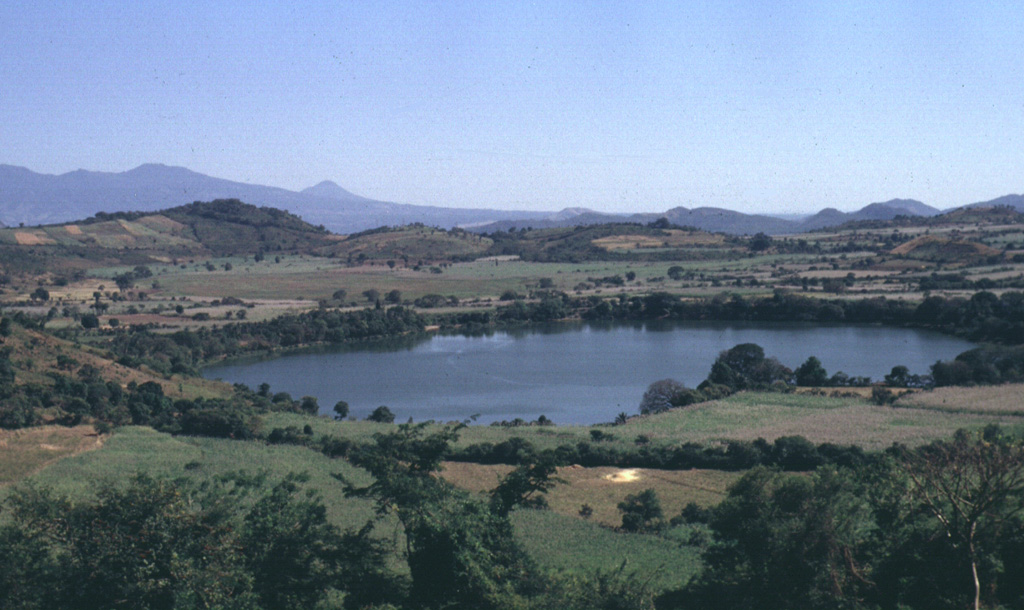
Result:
[
  {"x": 82, "y": 395},
  {"x": 982, "y": 317},
  {"x": 939, "y": 527},
  {"x": 241, "y": 543},
  {"x": 790, "y": 453},
  {"x": 981, "y": 366},
  {"x": 186, "y": 351}
]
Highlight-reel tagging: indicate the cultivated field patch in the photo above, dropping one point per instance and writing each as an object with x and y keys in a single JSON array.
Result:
[
  {"x": 997, "y": 400},
  {"x": 26, "y": 238}
]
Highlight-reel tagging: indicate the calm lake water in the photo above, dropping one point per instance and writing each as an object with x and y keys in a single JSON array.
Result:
[{"x": 573, "y": 374}]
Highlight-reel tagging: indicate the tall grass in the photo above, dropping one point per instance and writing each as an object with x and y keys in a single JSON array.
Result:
[{"x": 577, "y": 546}]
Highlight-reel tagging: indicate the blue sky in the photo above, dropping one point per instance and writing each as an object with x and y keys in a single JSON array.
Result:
[{"x": 616, "y": 106}]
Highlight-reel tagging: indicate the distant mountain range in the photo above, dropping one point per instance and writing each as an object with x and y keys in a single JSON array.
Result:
[
  {"x": 31, "y": 198},
  {"x": 728, "y": 221}
]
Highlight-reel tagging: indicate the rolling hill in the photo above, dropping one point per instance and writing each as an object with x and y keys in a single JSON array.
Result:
[{"x": 216, "y": 228}]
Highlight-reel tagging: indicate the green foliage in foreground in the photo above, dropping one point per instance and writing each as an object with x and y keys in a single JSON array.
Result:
[
  {"x": 460, "y": 551},
  {"x": 154, "y": 543},
  {"x": 580, "y": 548},
  {"x": 940, "y": 527}
]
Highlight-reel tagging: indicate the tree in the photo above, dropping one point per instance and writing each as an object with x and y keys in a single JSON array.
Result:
[
  {"x": 372, "y": 295},
  {"x": 460, "y": 553},
  {"x": 811, "y": 373},
  {"x": 524, "y": 486},
  {"x": 40, "y": 294},
  {"x": 760, "y": 242},
  {"x": 295, "y": 556},
  {"x": 898, "y": 377},
  {"x": 973, "y": 486},
  {"x": 152, "y": 544},
  {"x": 745, "y": 367},
  {"x": 309, "y": 405},
  {"x": 659, "y": 395},
  {"x": 394, "y": 297},
  {"x": 382, "y": 415},
  {"x": 340, "y": 410},
  {"x": 90, "y": 320},
  {"x": 787, "y": 541},
  {"x": 642, "y": 512},
  {"x": 676, "y": 272},
  {"x": 125, "y": 281}
]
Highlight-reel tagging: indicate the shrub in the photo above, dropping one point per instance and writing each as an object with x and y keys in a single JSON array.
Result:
[
  {"x": 382, "y": 415},
  {"x": 642, "y": 512}
]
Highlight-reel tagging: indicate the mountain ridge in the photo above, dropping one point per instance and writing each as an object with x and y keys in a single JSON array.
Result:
[{"x": 33, "y": 199}]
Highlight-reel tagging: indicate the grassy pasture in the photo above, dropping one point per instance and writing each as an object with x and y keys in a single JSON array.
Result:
[
  {"x": 821, "y": 419},
  {"x": 745, "y": 416},
  {"x": 604, "y": 487},
  {"x": 990, "y": 400}
]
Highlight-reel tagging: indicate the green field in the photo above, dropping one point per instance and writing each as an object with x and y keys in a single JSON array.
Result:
[
  {"x": 142, "y": 450},
  {"x": 742, "y": 416},
  {"x": 134, "y": 450}
]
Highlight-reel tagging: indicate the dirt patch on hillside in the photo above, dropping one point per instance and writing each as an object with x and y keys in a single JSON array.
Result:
[
  {"x": 73, "y": 229},
  {"x": 130, "y": 229},
  {"x": 932, "y": 247},
  {"x": 161, "y": 223},
  {"x": 29, "y": 450},
  {"x": 24, "y": 238}
]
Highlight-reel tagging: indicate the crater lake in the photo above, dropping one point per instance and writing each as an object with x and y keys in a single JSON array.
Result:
[{"x": 571, "y": 373}]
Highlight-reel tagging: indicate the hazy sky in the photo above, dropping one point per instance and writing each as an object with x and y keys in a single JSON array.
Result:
[{"x": 618, "y": 106}]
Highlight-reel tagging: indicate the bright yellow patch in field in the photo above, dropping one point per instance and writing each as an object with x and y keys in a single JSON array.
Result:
[{"x": 627, "y": 475}]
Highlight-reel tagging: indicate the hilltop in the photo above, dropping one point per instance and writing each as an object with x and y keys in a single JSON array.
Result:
[{"x": 216, "y": 228}]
